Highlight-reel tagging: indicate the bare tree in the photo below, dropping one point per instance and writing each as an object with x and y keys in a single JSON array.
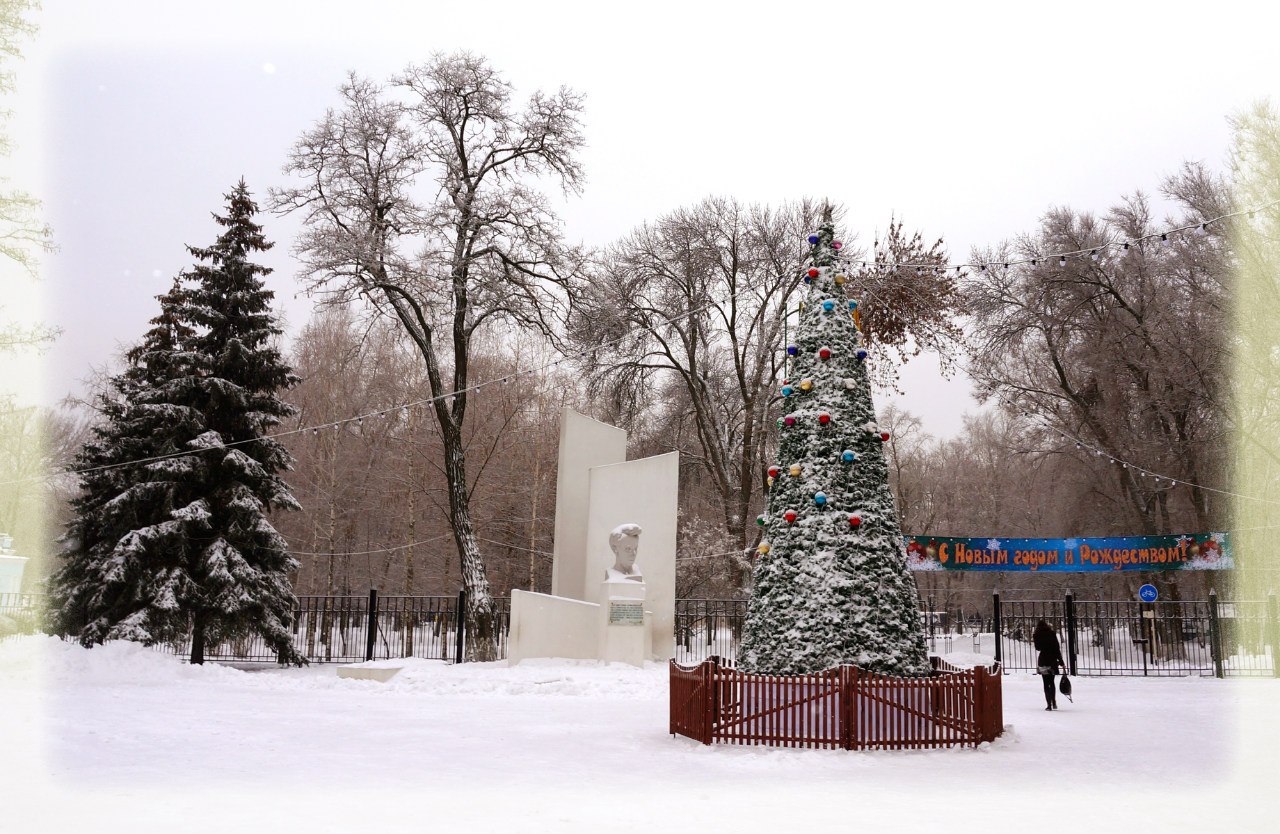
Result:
[
  {"x": 23, "y": 233},
  {"x": 702, "y": 296},
  {"x": 481, "y": 246},
  {"x": 907, "y": 302},
  {"x": 1124, "y": 347}
]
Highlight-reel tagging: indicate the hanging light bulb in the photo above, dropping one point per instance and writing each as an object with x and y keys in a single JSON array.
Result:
[
  {"x": 1062, "y": 260},
  {"x": 1164, "y": 237},
  {"x": 1093, "y": 256}
]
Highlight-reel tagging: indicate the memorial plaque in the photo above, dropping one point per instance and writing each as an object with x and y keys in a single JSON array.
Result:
[{"x": 626, "y": 612}]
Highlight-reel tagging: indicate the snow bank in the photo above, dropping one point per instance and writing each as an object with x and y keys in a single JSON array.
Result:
[{"x": 43, "y": 659}]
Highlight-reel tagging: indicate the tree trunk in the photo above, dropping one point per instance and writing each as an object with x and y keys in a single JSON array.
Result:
[
  {"x": 197, "y": 639},
  {"x": 482, "y": 642}
]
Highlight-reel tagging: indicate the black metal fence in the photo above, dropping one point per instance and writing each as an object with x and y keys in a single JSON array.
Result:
[
  {"x": 1164, "y": 638},
  {"x": 1098, "y": 637},
  {"x": 20, "y": 614},
  {"x": 352, "y": 629}
]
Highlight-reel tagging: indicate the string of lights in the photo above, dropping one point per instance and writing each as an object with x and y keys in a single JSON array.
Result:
[
  {"x": 403, "y": 409},
  {"x": 1093, "y": 253},
  {"x": 1142, "y": 472}
]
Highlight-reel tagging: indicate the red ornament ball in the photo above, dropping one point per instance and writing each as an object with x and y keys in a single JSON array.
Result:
[
  {"x": 790, "y": 516},
  {"x": 884, "y": 435},
  {"x": 774, "y": 471},
  {"x": 813, "y": 272},
  {"x": 824, "y": 418},
  {"x": 855, "y": 520},
  {"x": 789, "y": 420},
  {"x": 824, "y": 353}
]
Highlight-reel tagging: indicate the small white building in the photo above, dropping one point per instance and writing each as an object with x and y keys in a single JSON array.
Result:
[{"x": 11, "y": 567}]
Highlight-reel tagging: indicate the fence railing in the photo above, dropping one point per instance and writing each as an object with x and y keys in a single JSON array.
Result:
[
  {"x": 1098, "y": 637},
  {"x": 845, "y": 707},
  {"x": 1164, "y": 638}
]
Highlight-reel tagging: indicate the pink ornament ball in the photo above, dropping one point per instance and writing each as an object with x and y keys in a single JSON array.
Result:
[
  {"x": 789, "y": 420},
  {"x": 835, "y": 244}
]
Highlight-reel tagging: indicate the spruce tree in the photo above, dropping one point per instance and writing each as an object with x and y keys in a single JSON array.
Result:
[
  {"x": 122, "y": 567},
  {"x": 240, "y": 564},
  {"x": 831, "y": 583},
  {"x": 171, "y": 535}
]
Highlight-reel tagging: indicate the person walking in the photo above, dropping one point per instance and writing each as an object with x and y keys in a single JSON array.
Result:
[{"x": 1045, "y": 640}]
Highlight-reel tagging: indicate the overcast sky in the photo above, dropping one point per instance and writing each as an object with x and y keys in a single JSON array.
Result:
[{"x": 134, "y": 118}]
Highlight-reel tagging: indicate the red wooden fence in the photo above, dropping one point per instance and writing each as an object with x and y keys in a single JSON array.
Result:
[{"x": 845, "y": 707}]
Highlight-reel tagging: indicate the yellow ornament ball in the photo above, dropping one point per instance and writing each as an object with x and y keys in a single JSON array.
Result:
[
  {"x": 806, "y": 384},
  {"x": 795, "y": 470},
  {"x": 839, "y": 279},
  {"x": 771, "y": 481},
  {"x": 763, "y": 548}
]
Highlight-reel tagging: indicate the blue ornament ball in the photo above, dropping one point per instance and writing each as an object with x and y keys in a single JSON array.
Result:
[
  {"x": 820, "y": 498},
  {"x": 792, "y": 350},
  {"x": 813, "y": 239},
  {"x": 862, "y": 355},
  {"x": 853, "y": 305},
  {"x": 786, "y": 390},
  {"x": 828, "y": 305},
  {"x": 848, "y": 456}
]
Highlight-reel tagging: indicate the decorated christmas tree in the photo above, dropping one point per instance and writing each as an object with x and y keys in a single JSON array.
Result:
[{"x": 831, "y": 583}]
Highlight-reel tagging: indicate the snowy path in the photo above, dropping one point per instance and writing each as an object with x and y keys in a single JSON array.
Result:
[{"x": 135, "y": 741}]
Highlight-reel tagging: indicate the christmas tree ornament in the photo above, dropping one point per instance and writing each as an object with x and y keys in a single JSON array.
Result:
[
  {"x": 884, "y": 436},
  {"x": 828, "y": 305},
  {"x": 835, "y": 244},
  {"x": 814, "y": 272},
  {"x": 861, "y": 355},
  {"x": 806, "y": 384},
  {"x": 840, "y": 279},
  {"x": 790, "y": 516},
  {"x": 769, "y": 482},
  {"x": 781, "y": 422},
  {"x": 850, "y": 383},
  {"x": 855, "y": 520},
  {"x": 763, "y": 549},
  {"x": 794, "y": 470},
  {"x": 813, "y": 239},
  {"x": 789, "y": 420},
  {"x": 853, "y": 305},
  {"x": 786, "y": 390},
  {"x": 848, "y": 456},
  {"x": 774, "y": 471},
  {"x": 824, "y": 353},
  {"x": 820, "y": 498},
  {"x": 792, "y": 350},
  {"x": 760, "y": 520},
  {"x": 824, "y": 418}
]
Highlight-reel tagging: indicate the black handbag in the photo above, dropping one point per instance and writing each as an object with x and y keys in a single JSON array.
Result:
[{"x": 1065, "y": 688}]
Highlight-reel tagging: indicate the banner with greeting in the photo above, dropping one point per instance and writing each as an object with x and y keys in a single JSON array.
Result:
[{"x": 1189, "y": 551}]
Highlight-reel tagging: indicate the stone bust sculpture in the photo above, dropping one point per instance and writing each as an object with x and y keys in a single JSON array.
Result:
[{"x": 624, "y": 541}]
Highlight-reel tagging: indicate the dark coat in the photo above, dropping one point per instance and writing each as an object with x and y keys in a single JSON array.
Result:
[{"x": 1046, "y": 642}]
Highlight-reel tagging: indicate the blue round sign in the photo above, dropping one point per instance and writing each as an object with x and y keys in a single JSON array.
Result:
[{"x": 1148, "y": 593}]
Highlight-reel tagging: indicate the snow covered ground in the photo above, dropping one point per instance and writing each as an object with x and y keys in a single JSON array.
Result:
[{"x": 126, "y": 739}]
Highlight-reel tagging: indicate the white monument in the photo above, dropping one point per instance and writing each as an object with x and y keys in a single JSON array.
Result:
[{"x": 613, "y": 577}]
